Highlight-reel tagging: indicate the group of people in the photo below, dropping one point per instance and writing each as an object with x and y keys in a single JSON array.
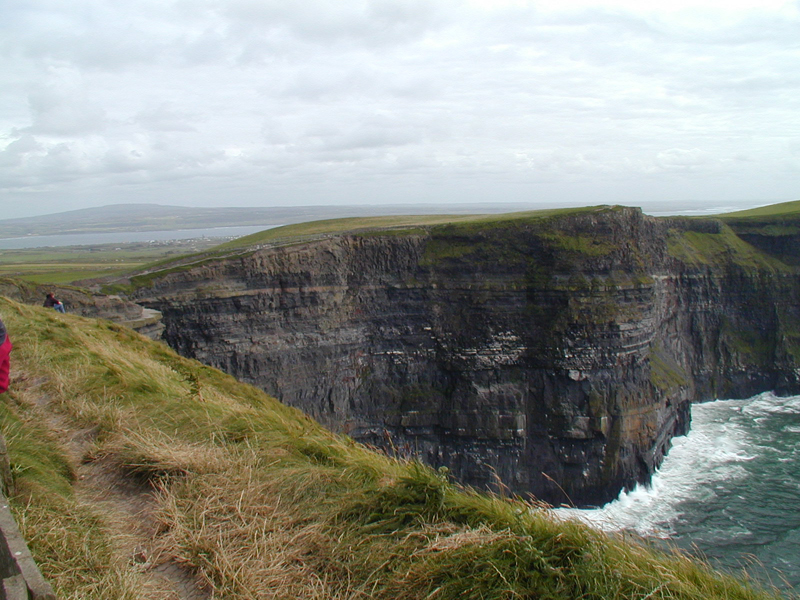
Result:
[{"x": 5, "y": 347}]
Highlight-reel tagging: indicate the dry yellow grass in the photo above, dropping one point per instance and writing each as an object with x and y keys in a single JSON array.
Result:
[{"x": 259, "y": 502}]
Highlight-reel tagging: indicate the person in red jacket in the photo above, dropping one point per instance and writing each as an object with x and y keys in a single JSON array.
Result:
[{"x": 5, "y": 349}]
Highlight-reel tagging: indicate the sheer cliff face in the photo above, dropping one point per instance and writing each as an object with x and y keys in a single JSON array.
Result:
[{"x": 553, "y": 356}]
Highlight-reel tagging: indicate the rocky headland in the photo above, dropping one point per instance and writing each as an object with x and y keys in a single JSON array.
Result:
[{"x": 546, "y": 353}]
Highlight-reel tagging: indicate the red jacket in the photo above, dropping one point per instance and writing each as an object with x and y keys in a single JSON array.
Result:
[{"x": 5, "y": 349}]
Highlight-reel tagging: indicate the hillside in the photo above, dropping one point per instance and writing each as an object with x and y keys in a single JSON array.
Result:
[
  {"x": 140, "y": 473},
  {"x": 780, "y": 210},
  {"x": 775, "y": 229}
]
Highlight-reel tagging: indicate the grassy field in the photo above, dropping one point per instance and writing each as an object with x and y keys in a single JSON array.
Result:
[
  {"x": 783, "y": 209},
  {"x": 67, "y": 264},
  {"x": 258, "y": 501}
]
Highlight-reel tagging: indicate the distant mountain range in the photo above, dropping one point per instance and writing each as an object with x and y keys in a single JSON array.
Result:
[{"x": 156, "y": 217}]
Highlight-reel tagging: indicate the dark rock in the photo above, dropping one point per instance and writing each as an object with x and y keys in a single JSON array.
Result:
[{"x": 554, "y": 356}]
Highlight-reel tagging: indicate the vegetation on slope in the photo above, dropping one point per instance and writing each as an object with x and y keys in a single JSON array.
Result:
[
  {"x": 262, "y": 502},
  {"x": 774, "y": 221},
  {"x": 68, "y": 264},
  {"x": 782, "y": 209},
  {"x": 720, "y": 248},
  {"x": 767, "y": 237},
  {"x": 382, "y": 224},
  {"x": 363, "y": 226}
]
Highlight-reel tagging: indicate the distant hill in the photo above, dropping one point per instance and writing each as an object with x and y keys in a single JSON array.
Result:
[{"x": 156, "y": 217}]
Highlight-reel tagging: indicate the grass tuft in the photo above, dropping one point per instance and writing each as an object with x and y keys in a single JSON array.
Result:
[{"x": 259, "y": 501}]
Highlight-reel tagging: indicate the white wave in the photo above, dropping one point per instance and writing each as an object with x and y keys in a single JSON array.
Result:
[
  {"x": 714, "y": 451},
  {"x": 767, "y": 404}
]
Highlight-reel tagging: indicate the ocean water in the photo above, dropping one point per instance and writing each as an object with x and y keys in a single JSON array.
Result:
[
  {"x": 120, "y": 237},
  {"x": 728, "y": 491}
]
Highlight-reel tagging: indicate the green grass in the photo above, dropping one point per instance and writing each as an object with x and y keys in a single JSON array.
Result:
[
  {"x": 69, "y": 264},
  {"x": 444, "y": 225},
  {"x": 719, "y": 249},
  {"x": 64, "y": 265},
  {"x": 263, "y": 502},
  {"x": 773, "y": 210},
  {"x": 582, "y": 244},
  {"x": 377, "y": 224},
  {"x": 665, "y": 374}
]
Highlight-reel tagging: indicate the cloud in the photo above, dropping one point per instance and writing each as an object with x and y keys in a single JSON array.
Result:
[
  {"x": 165, "y": 117},
  {"x": 683, "y": 159},
  {"x": 64, "y": 112},
  {"x": 93, "y": 35},
  {"x": 462, "y": 97},
  {"x": 371, "y": 22}
]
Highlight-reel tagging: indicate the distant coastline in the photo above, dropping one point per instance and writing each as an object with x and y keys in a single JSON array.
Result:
[{"x": 122, "y": 237}]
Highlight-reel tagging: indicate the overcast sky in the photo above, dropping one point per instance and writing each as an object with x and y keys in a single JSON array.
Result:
[{"x": 281, "y": 102}]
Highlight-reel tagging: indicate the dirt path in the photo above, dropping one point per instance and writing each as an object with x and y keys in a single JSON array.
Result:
[{"x": 129, "y": 506}]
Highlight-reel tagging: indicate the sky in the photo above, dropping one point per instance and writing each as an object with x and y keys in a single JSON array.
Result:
[{"x": 288, "y": 103}]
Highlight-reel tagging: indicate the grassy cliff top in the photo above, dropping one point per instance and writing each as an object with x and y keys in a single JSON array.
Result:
[
  {"x": 127, "y": 456},
  {"x": 781, "y": 210},
  {"x": 315, "y": 230},
  {"x": 400, "y": 222},
  {"x": 697, "y": 241}
]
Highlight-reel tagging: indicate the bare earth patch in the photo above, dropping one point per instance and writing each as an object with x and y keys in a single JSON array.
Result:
[{"x": 129, "y": 506}]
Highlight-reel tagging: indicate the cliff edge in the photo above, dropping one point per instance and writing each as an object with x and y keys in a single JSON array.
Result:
[{"x": 550, "y": 353}]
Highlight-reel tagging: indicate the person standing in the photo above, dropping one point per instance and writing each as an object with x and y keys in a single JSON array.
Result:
[
  {"x": 6, "y": 479},
  {"x": 51, "y": 302},
  {"x": 5, "y": 350}
]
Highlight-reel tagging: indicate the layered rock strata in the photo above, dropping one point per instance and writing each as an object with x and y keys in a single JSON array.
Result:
[{"x": 552, "y": 355}]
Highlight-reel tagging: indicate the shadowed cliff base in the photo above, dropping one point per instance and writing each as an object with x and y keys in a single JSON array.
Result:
[
  {"x": 555, "y": 353},
  {"x": 251, "y": 499}
]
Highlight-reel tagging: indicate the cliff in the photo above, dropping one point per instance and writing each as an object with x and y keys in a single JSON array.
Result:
[
  {"x": 554, "y": 354},
  {"x": 142, "y": 474}
]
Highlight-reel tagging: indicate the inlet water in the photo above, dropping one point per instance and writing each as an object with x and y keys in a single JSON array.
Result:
[
  {"x": 122, "y": 237},
  {"x": 729, "y": 491}
]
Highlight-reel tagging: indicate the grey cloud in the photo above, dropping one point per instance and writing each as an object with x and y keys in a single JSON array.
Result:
[
  {"x": 368, "y": 138},
  {"x": 126, "y": 158},
  {"x": 64, "y": 112},
  {"x": 208, "y": 46},
  {"x": 15, "y": 152},
  {"x": 315, "y": 84},
  {"x": 165, "y": 117},
  {"x": 268, "y": 31},
  {"x": 260, "y": 93},
  {"x": 97, "y": 35},
  {"x": 321, "y": 21},
  {"x": 682, "y": 159}
]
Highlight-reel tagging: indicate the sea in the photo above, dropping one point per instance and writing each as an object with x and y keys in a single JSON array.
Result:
[
  {"x": 694, "y": 208},
  {"x": 729, "y": 491}
]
